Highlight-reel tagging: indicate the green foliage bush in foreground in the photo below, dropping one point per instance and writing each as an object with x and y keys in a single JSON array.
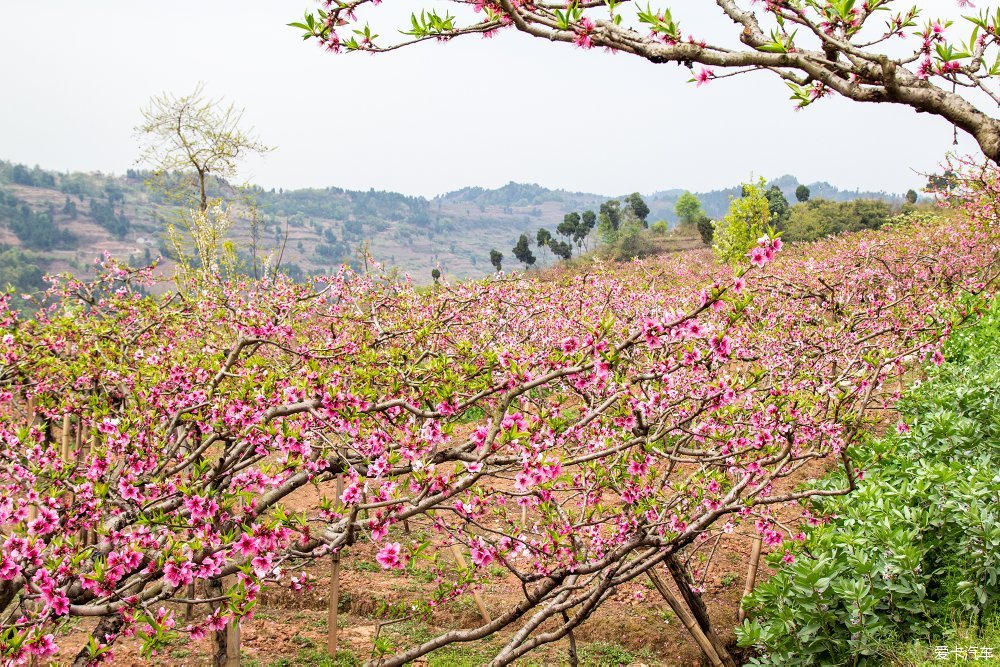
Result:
[{"x": 915, "y": 551}]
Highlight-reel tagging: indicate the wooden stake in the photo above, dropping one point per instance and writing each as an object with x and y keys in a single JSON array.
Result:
[
  {"x": 79, "y": 437},
  {"x": 751, "y": 574},
  {"x": 189, "y": 608},
  {"x": 32, "y": 508},
  {"x": 460, "y": 559},
  {"x": 233, "y": 643},
  {"x": 333, "y": 609},
  {"x": 66, "y": 425},
  {"x": 687, "y": 619},
  {"x": 92, "y": 533},
  {"x": 697, "y": 609}
]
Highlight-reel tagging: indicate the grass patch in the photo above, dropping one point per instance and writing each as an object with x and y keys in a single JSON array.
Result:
[
  {"x": 314, "y": 658},
  {"x": 606, "y": 654},
  {"x": 965, "y": 646},
  {"x": 363, "y": 565}
]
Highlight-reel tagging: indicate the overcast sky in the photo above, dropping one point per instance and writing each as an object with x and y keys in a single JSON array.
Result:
[{"x": 433, "y": 118}]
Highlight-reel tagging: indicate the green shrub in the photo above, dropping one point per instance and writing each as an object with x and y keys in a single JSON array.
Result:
[
  {"x": 917, "y": 546},
  {"x": 746, "y": 221},
  {"x": 817, "y": 218},
  {"x": 631, "y": 241}
]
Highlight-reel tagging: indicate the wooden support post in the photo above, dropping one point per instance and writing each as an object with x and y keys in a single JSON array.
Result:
[
  {"x": 224, "y": 653},
  {"x": 698, "y": 609},
  {"x": 406, "y": 522},
  {"x": 79, "y": 437},
  {"x": 82, "y": 433},
  {"x": 751, "y": 574},
  {"x": 32, "y": 508},
  {"x": 233, "y": 642},
  {"x": 66, "y": 426},
  {"x": 333, "y": 608},
  {"x": 92, "y": 533},
  {"x": 456, "y": 551},
  {"x": 687, "y": 620}
]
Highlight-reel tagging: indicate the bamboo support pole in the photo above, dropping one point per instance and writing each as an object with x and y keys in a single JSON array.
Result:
[
  {"x": 687, "y": 620},
  {"x": 66, "y": 428},
  {"x": 476, "y": 595},
  {"x": 333, "y": 608},
  {"x": 233, "y": 642},
  {"x": 32, "y": 508},
  {"x": 92, "y": 532},
  {"x": 751, "y": 574},
  {"x": 697, "y": 609}
]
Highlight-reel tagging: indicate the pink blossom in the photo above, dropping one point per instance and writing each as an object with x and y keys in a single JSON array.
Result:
[
  {"x": 481, "y": 556},
  {"x": 390, "y": 558}
]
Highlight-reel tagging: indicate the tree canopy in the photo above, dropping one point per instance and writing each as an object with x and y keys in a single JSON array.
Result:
[
  {"x": 522, "y": 251},
  {"x": 688, "y": 209}
]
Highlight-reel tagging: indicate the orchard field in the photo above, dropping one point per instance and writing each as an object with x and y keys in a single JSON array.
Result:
[
  {"x": 498, "y": 466},
  {"x": 768, "y": 438}
]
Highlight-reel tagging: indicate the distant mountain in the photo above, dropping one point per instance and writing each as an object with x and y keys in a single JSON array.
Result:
[
  {"x": 716, "y": 202},
  {"x": 61, "y": 221},
  {"x": 521, "y": 194}
]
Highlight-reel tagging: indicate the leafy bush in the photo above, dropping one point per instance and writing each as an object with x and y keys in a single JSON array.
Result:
[
  {"x": 817, "y": 218},
  {"x": 917, "y": 546},
  {"x": 745, "y": 222},
  {"x": 706, "y": 230},
  {"x": 631, "y": 241}
]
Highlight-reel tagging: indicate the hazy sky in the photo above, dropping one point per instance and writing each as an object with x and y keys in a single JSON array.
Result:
[{"x": 433, "y": 118}]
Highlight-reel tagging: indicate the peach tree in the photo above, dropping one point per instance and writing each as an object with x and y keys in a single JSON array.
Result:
[
  {"x": 876, "y": 51},
  {"x": 578, "y": 434}
]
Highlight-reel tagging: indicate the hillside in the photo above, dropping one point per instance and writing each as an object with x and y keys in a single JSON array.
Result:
[{"x": 52, "y": 222}]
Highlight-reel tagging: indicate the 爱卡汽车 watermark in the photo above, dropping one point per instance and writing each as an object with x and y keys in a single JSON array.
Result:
[{"x": 966, "y": 652}]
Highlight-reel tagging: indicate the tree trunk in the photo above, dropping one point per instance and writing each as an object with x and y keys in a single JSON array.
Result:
[
  {"x": 220, "y": 638},
  {"x": 109, "y": 625},
  {"x": 572, "y": 656}
]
